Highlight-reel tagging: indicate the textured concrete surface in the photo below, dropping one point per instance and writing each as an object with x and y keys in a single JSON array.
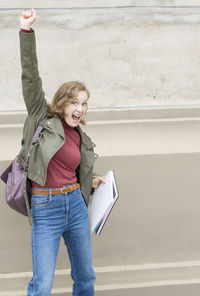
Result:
[
  {"x": 128, "y": 57},
  {"x": 141, "y": 131},
  {"x": 192, "y": 290}
]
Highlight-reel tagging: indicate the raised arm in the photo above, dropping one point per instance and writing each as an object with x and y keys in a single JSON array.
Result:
[{"x": 31, "y": 82}]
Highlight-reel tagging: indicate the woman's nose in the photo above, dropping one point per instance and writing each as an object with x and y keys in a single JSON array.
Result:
[{"x": 79, "y": 108}]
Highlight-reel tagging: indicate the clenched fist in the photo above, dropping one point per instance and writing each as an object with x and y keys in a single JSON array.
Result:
[{"x": 27, "y": 18}]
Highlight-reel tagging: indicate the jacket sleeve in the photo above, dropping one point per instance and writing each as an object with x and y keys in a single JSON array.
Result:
[{"x": 33, "y": 93}]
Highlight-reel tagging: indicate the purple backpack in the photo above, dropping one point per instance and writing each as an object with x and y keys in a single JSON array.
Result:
[{"x": 18, "y": 186}]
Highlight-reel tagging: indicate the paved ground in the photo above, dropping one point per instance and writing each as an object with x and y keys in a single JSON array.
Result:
[{"x": 193, "y": 290}]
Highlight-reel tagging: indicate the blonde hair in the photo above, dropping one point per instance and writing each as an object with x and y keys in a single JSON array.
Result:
[{"x": 66, "y": 94}]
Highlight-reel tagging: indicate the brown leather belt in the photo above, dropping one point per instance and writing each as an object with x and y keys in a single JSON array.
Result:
[{"x": 63, "y": 190}]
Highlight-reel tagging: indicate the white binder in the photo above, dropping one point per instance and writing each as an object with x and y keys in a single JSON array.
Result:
[{"x": 102, "y": 202}]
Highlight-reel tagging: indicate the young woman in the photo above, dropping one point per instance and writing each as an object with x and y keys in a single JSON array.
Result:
[{"x": 61, "y": 171}]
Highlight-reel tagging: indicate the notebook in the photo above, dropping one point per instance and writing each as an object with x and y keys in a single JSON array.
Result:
[{"x": 102, "y": 202}]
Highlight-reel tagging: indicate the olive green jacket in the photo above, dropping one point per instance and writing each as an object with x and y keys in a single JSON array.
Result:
[{"x": 52, "y": 136}]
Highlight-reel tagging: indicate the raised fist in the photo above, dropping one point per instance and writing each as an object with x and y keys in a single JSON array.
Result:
[{"x": 27, "y": 18}]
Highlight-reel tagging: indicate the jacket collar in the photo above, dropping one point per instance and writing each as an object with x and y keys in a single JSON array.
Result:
[{"x": 55, "y": 124}]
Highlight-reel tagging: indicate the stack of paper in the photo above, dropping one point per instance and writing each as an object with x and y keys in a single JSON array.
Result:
[{"x": 103, "y": 200}]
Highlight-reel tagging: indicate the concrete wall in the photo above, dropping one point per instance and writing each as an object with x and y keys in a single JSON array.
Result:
[
  {"x": 145, "y": 53},
  {"x": 142, "y": 66},
  {"x": 145, "y": 131}
]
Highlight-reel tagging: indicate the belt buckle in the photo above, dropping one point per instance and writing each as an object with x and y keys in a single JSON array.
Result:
[{"x": 61, "y": 189}]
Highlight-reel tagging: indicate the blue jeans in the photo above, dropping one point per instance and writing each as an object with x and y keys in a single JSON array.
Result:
[{"x": 54, "y": 216}]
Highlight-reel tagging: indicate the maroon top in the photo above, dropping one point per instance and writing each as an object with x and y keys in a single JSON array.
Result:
[{"x": 62, "y": 166}]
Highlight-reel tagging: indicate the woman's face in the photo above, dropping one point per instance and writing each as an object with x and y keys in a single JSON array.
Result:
[{"x": 75, "y": 111}]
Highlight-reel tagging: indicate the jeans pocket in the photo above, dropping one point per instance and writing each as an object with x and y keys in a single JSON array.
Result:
[{"x": 40, "y": 200}]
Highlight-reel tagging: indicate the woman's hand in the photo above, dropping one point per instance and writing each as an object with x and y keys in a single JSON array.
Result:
[
  {"x": 27, "y": 18},
  {"x": 97, "y": 181}
]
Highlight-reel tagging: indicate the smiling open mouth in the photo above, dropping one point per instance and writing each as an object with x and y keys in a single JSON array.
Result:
[{"x": 75, "y": 117}]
